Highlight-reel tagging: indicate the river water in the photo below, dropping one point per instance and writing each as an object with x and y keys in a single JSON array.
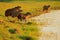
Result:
[{"x": 50, "y": 26}]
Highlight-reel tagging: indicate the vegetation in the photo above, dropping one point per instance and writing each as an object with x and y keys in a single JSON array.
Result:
[
  {"x": 33, "y": 7},
  {"x": 18, "y": 31},
  {"x": 27, "y": 0}
]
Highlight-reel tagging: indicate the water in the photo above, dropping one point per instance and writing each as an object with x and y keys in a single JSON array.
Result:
[{"x": 51, "y": 29}]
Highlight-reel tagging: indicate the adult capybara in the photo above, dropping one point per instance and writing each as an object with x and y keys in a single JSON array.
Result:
[{"x": 13, "y": 12}]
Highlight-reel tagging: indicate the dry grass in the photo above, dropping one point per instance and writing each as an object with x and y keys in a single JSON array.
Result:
[
  {"x": 25, "y": 29},
  {"x": 28, "y": 6}
]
